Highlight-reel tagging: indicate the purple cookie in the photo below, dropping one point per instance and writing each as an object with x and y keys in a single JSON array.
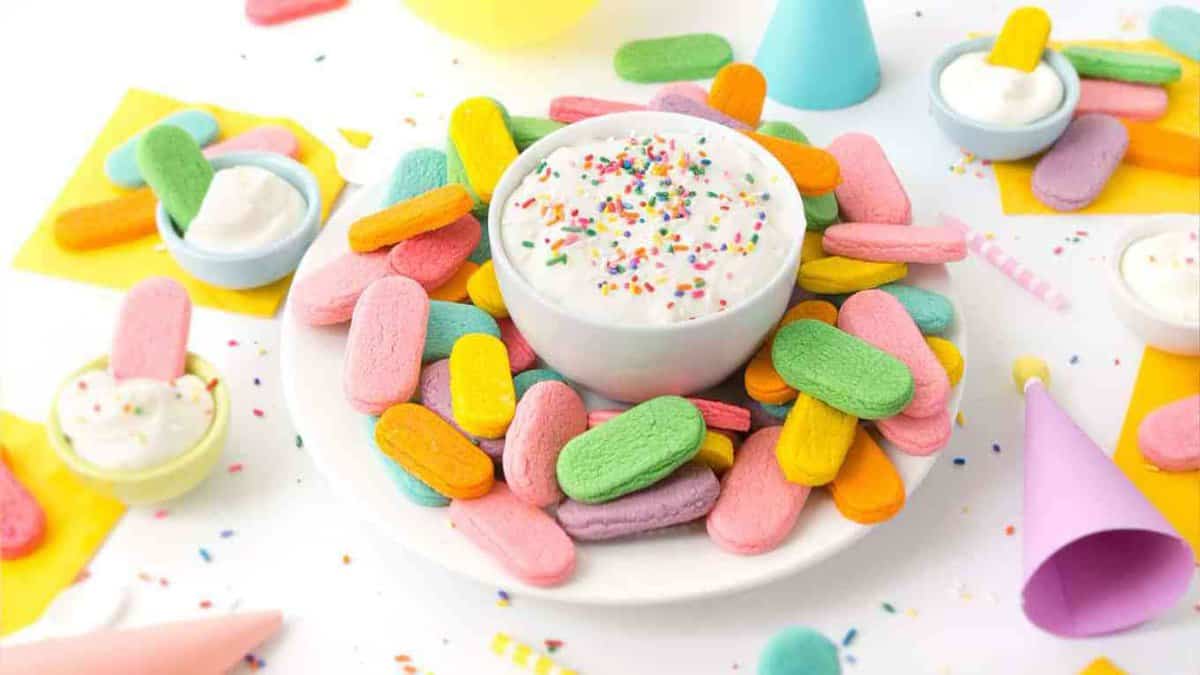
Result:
[
  {"x": 1077, "y": 168},
  {"x": 678, "y": 103},
  {"x": 435, "y": 395},
  {"x": 685, "y": 495}
]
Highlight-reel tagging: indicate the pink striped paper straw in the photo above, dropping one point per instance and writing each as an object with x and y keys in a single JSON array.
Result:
[{"x": 979, "y": 244}]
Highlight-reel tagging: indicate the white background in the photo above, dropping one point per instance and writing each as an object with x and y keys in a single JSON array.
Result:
[{"x": 944, "y": 562}]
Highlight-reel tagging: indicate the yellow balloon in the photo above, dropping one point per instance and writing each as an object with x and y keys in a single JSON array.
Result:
[{"x": 502, "y": 24}]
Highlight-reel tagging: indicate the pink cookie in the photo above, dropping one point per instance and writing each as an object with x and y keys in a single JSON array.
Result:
[
  {"x": 521, "y": 356},
  {"x": 758, "y": 507},
  {"x": 1146, "y": 102},
  {"x": 548, "y": 415},
  {"x": 919, "y": 436},
  {"x": 568, "y": 109},
  {"x": 879, "y": 319},
  {"x": 888, "y": 243},
  {"x": 521, "y": 537},
  {"x": 1169, "y": 437},
  {"x": 598, "y": 417},
  {"x": 327, "y": 296},
  {"x": 430, "y": 259},
  {"x": 152, "y": 331},
  {"x": 685, "y": 89},
  {"x": 270, "y": 12},
  {"x": 383, "y": 348},
  {"x": 721, "y": 415},
  {"x": 22, "y": 521},
  {"x": 268, "y": 138},
  {"x": 870, "y": 191}
]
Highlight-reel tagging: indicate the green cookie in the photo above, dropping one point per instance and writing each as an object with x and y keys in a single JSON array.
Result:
[
  {"x": 821, "y": 211},
  {"x": 637, "y": 448},
  {"x": 697, "y": 56},
  {"x": 785, "y": 130},
  {"x": 448, "y": 321},
  {"x": 529, "y": 130},
  {"x": 523, "y": 381},
  {"x": 799, "y": 651},
  {"x": 841, "y": 370},
  {"x": 932, "y": 312},
  {"x": 1110, "y": 64},
  {"x": 170, "y": 161},
  {"x": 482, "y": 252}
]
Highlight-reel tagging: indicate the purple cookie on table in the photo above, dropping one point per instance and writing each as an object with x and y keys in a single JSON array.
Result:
[
  {"x": 435, "y": 395},
  {"x": 684, "y": 105},
  {"x": 684, "y": 496},
  {"x": 1077, "y": 168}
]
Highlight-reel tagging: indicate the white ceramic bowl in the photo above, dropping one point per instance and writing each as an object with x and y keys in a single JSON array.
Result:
[
  {"x": 637, "y": 362},
  {"x": 1151, "y": 326}
]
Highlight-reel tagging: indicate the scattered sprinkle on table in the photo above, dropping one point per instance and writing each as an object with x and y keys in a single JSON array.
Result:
[
  {"x": 889, "y": 608},
  {"x": 232, "y": 343},
  {"x": 960, "y": 420},
  {"x": 160, "y": 514},
  {"x": 995, "y": 447},
  {"x": 1010, "y": 530},
  {"x": 299, "y": 441},
  {"x": 345, "y": 558},
  {"x": 849, "y": 637},
  {"x": 236, "y": 467},
  {"x": 959, "y": 461},
  {"x": 258, "y": 412},
  {"x": 552, "y": 645},
  {"x": 225, "y": 534},
  {"x": 206, "y": 604},
  {"x": 205, "y": 555},
  {"x": 1074, "y": 359}
]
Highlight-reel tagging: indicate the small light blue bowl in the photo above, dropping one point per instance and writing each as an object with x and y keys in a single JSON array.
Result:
[
  {"x": 995, "y": 141},
  {"x": 257, "y": 267}
]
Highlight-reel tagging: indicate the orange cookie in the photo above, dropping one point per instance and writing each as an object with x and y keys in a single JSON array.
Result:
[
  {"x": 114, "y": 221},
  {"x": 868, "y": 489},
  {"x": 428, "y": 211},
  {"x": 455, "y": 290},
  {"x": 814, "y": 171},
  {"x": 1153, "y": 147},
  {"x": 429, "y": 448},
  {"x": 738, "y": 90}
]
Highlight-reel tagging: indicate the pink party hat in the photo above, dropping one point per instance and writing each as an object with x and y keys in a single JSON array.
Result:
[
  {"x": 204, "y": 647},
  {"x": 1098, "y": 558}
]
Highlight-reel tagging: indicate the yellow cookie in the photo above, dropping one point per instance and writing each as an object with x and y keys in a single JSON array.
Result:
[
  {"x": 1022, "y": 40},
  {"x": 836, "y": 274},
  {"x": 813, "y": 248},
  {"x": 868, "y": 489},
  {"x": 485, "y": 291},
  {"x": 948, "y": 355},
  {"x": 482, "y": 395},
  {"x": 716, "y": 451},
  {"x": 433, "y": 451},
  {"x": 738, "y": 90},
  {"x": 1102, "y": 666},
  {"x": 403, "y": 220},
  {"x": 483, "y": 142},
  {"x": 814, "y": 441}
]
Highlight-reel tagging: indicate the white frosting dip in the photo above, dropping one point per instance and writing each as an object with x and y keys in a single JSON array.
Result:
[
  {"x": 998, "y": 94},
  {"x": 136, "y": 423},
  {"x": 1163, "y": 271},
  {"x": 246, "y": 207},
  {"x": 647, "y": 229}
]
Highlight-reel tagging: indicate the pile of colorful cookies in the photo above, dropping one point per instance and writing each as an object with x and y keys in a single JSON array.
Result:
[{"x": 570, "y": 474}]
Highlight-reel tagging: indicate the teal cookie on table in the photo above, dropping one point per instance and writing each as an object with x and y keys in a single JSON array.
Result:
[
  {"x": 820, "y": 211},
  {"x": 409, "y": 485},
  {"x": 696, "y": 56},
  {"x": 172, "y": 164},
  {"x": 1110, "y": 64},
  {"x": 637, "y": 448},
  {"x": 449, "y": 321},
  {"x": 524, "y": 380},
  {"x": 417, "y": 172},
  {"x": 932, "y": 312},
  {"x": 797, "y": 650},
  {"x": 121, "y": 164},
  {"x": 1178, "y": 28},
  {"x": 841, "y": 370}
]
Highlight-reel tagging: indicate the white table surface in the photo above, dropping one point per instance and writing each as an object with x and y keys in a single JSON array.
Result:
[{"x": 944, "y": 562}]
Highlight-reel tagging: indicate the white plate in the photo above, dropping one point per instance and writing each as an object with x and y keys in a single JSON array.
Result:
[{"x": 675, "y": 565}]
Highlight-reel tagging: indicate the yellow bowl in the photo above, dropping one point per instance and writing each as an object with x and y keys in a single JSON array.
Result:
[
  {"x": 158, "y": 483},
  {"x": 502, "y": 24}
]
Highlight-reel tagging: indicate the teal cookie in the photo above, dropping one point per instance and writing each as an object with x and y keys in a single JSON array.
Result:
[
  {"x": 482, "y": 252},
  {"x": 449, "y": 321},
  {"x": 932, "y": 312},
  {"x": 779, "y": 412},
  {"x": 457, "y": 173},
  {"x": 821, "y": 211},
  {"x": 529, "y": 130},
  {"x": 797, "y": 650},
  {"x": 1178, "y": 28},
  {"x": 172, "y": 164},
  {"x": 417, "y": 172},
  {"x": 409, "y": 485},
  {"x": 841, "y": 370},
  {"x": 697, "y": 56},
  {"x": 1110, "y": 64},
  {"x": 524, "y": 380},
  {"x": 637, "y": 448},
  {"x": 121, "y": 164}
]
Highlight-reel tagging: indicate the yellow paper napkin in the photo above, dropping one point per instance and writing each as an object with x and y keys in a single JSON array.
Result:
[
  {"x": 77, "y": 522},
  {"x": 1162, "y": 378},
  {"x": 1132, "y": 189},
  {"x": 123, "y": 265}
]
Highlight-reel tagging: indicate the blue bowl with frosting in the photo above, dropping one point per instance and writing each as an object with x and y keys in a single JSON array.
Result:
[{"x": 259, "y": 266}]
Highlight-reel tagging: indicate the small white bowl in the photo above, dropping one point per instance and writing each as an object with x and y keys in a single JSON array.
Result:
[
  {"x": 637, "y": 362},
  {"x": 1150, "y": 325}
]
